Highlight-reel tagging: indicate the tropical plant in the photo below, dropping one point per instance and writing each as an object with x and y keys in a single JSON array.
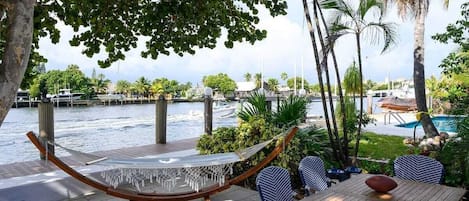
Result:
[
  {"x": 418, "y": 10},
  {"x": 273, "y": 84},
  {"x": 456, "y": 65},
  {"x": 141, "y": 86},
  {"x": 291, "y": 111},
  {"x": 123, "y": 87},
  {"x": 177, "y": 26},
  {"x": 258, "y": 80},
  {"x": 284, "y": 76},
  {"x": 256, "y": 106},
  {"x": 247, "y": 77},
  {"x": 291, "y": 82},
  {"x": 308, "y": 141},
  {"x": 352, "y": 80},
  {"x": 455, "y": 156},
  {"x": 99, "y": 83},
  {"x": 348, "y": 20}
]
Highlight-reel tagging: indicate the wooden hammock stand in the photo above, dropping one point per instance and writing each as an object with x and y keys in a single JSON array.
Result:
[{"x": 133, "y": 195}]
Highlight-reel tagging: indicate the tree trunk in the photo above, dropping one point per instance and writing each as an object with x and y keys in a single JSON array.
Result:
[
  {"x": 419, "y": 73},
  {"x": 339, "y": 85},
  {"x": 20, "y": 14},
  {"x": 328, "y": 84},
  {"x": 321, "y": 83},
  {"x": 360, "y": 114}
]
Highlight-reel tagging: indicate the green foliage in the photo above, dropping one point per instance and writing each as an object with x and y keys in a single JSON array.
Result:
[
  {"x": 308, "y": 141},
  {"x": 454, "y": 86},
  {"x": 247, "y": 77},
  {"x": 273, "y": 84},
  {"x": 352, "y": 80},
  {"x": 71, "y": 78},
  {"x": 290, "y": 111},
  {"x": 141, "y": 86},
  {"x": 221, "y": 82},
  {"x": 350, "y": 116},
  {"x": 291, "y": 83},
  {"x": 164, "y": 86},
  {"x": 455, "y": 156},
  {"x": 256, "y": 106},
  {"x": 123, "y": 87}
]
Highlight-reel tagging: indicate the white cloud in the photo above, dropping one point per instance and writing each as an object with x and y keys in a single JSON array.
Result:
[{"x": 283, "y": 47}]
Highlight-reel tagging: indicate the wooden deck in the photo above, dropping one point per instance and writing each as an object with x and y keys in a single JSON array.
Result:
[
  {"x": 355, "y": 189},
  {"x": 68, "y": 188}
]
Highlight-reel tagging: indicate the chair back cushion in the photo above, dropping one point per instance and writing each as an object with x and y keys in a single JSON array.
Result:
[
  {"x": 312, "y": 173},
  {"x": 418, "y": 168},
  {"x": 273, "y": 184}
]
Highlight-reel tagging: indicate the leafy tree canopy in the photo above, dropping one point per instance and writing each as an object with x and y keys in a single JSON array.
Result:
[
  {"x": 221, "y": 82},
  {"x": 178, "y": 26}
]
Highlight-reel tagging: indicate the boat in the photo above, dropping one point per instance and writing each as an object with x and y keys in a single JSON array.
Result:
[
  {"x": 397, "y": 104},
  {"x": 65, "y": 95}
]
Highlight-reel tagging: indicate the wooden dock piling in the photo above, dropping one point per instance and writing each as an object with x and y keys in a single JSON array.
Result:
[
  {"x": 161, "y": 113},
  {"x": 46, "y": 126}
]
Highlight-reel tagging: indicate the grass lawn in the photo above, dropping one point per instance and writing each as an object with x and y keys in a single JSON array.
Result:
[{"x": 381, "y": 147}]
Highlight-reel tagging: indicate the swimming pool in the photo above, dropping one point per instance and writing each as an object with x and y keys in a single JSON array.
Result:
[{"x": 442, "y": 123}]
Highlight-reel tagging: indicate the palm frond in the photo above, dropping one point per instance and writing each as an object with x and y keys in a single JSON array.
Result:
[
  {"x": 388, "y": 31},
  {"x": 291, "y": 110},
  {"x": 256, "y": 106},
  {"x": 367, "y": 5}
]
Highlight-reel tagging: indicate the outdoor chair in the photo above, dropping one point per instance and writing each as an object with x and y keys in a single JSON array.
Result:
[
  {"x": 273, "y": 184},
  {"x": 313, "y": 175},
  {"x": 418, "y": 168}
]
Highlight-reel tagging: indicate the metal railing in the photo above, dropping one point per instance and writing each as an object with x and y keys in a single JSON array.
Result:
[{"x": 395, "y": 115}]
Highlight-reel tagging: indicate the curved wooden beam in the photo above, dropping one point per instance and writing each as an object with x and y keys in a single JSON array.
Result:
[{"x": 133, "y": 195}]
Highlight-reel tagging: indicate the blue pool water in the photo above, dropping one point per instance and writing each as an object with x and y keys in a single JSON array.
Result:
[{"x": 442, "y": 123}]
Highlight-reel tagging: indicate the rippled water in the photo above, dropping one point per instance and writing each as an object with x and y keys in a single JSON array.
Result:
[
  {"x": 98, "y": 128},
  {"x": 101, "y": 127}
]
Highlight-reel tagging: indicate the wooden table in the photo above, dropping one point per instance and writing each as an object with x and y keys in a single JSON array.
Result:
[{"x": 356, "y": 189}]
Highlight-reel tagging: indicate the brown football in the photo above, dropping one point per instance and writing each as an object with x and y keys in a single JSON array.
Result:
[{"x": 380, "y": 183}]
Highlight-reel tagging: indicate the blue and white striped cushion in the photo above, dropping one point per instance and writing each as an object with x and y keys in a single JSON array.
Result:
[
  {"x": 418, "y": 168},
  {"x": 313, "y": 174},
  {"x": 273, "y": 184}
]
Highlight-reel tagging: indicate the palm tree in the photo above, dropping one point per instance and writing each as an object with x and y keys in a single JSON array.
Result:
[
  {"x": 273, "y": 84},
  {"x": 257, "y": 79},
  {"x": 350, "y": 21},
  {"x": 248, "y": 77},
  {"x": 284, "y": 76},
  {"x": 142, "y": 86},
  {"x": 419, "y": 10},
  {"x": 123, "y": 87}
]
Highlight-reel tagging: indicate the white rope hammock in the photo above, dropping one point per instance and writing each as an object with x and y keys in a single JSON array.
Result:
[{"x": 195, "y": 170}]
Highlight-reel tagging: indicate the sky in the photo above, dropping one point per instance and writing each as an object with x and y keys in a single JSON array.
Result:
[{"x": 287, "y": 46}]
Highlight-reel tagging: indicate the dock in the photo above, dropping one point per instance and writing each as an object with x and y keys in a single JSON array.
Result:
[{"x": 42, "y": 181}]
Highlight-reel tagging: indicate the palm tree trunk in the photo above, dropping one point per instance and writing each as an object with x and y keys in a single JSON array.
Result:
[
  {"x": 360, "y": 115},
  {"x": 325, "y": 67},
  {"x": 321, "y": 85},
  {"x": 339, "y": 85},
  {"x": 419, "y": 73}
]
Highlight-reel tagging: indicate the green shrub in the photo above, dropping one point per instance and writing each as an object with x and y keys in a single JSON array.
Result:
[
  {"x": 455, "y": 157},
  {"x": 308, "y": 141}
]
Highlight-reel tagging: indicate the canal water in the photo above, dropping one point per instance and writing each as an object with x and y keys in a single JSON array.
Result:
[{"x": 98, "y": 128}]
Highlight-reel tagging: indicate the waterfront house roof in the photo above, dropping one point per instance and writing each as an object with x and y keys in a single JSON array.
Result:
[{"x": 245, "y": 86}]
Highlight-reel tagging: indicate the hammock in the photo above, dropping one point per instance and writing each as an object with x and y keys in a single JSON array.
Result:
[{"x": 197, "y": 169}]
